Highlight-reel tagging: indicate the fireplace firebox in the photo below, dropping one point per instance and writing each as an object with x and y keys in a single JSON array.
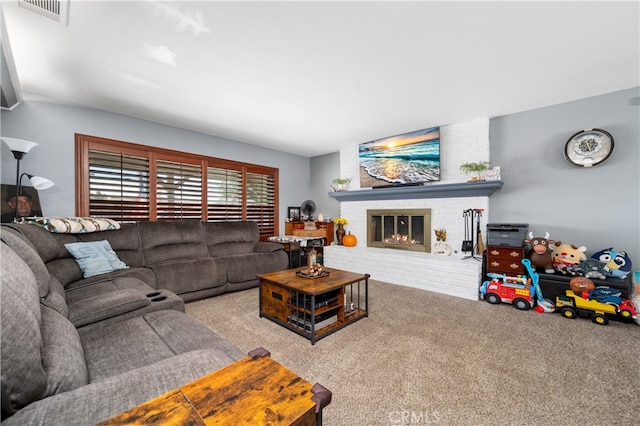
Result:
[{"x": 408, "y": 229}]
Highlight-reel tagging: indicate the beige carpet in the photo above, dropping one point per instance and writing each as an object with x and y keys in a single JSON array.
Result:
[{"x": 425, "y": 358}]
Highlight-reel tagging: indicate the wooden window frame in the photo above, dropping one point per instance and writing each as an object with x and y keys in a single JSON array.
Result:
[{"x": 85, "y": 143}]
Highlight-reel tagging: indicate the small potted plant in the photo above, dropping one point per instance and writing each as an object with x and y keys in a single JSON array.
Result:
[
  {"x": 475, "y": 168},
  {"x": 340, "y": 184}
]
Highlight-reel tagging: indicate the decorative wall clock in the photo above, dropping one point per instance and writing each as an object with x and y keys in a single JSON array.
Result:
[{"x": 588, "y": 147}]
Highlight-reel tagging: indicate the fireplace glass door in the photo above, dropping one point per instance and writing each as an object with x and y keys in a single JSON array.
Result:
[{"x": 401, "y": 229}]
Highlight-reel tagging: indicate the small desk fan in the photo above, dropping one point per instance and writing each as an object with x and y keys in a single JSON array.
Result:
[{"x": 307, "y": 208}]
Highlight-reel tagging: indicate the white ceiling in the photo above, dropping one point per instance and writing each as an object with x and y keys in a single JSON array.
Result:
[{"x": 312, "y": 77}]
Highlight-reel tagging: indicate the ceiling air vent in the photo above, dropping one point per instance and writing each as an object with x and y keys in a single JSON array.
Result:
[{"x": 52, "y": 9}]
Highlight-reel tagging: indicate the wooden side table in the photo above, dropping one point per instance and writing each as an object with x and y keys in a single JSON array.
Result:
[
  {"x": 323, "y": 230},
  {"x": 255, "y": 390}
]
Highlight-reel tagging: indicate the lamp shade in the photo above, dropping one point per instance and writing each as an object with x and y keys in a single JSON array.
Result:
[
  {"x": 39, "y": 182},
  {"x": 19, "y": 145}
]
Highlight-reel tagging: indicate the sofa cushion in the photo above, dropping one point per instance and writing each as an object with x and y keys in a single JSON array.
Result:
[
  {"x": 125, "y": 242},
  {"x": 28, "y": 253},
  {"x": 66, "y": 270},
  {"x": 62, "y": 354},
  {"x": 106, "y": 305},
  {"x": 144, "y": 275},
  {"x": 56, "y": 299},
  {"x": 228, "y": 238},
  {"x": 23, "y": 377},
  {"x": 246, "y": 267},
  {"x": 95, "y": 257},
  {"x": 49, "y": 246},
  {"x": 142, "y": 341},
  {"x": 164, "y": 241},
  {"x": 101, "y": 400},
  {"x": 183, "y": 276}
]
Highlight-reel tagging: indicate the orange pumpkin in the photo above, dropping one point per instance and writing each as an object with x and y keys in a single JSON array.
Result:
[{"x": 349, "y": 240}]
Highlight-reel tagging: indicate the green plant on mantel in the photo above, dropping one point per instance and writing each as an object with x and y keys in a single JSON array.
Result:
[
  {"x": 475, "y": 168},
  {"x": 341, "y": 181},
  {"x": 340, "y": 184}
]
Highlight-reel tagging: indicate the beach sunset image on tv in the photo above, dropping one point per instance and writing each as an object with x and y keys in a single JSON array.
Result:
[{"x": 406, "y": 159}]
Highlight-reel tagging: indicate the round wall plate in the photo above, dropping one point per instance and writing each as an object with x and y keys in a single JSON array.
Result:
[{"x": 588, "y": 147}]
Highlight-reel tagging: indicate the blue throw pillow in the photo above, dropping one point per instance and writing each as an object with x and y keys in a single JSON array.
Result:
[{"x": 95, "y": 258}]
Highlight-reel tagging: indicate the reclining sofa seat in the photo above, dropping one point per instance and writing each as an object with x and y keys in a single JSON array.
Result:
[
  {"x": 177, "y": 254},
  {"x": 102, "y": 299},
  {"x": 52, "y": 374},
  {"x": 202, "y": 259},
  {"x": 245, "y": 256}
]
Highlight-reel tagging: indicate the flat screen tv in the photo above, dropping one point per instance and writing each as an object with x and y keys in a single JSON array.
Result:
[{"x": 408, "y": 159}]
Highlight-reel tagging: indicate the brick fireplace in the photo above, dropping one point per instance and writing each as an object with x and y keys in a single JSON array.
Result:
[{"x": 446, "y": 200}]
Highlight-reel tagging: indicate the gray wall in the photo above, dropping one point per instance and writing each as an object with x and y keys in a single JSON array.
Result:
[
  {"x": 597, "y": 207},
  {"x": 324, "y": 169},
  {"x": 53, "y": 125}
]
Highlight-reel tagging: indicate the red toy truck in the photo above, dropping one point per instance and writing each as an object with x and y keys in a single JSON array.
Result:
[{"x": 515, "y": 290}]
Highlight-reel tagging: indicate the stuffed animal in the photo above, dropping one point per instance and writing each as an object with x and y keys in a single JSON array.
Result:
[
  {"x": 616, "y": 263},
  {"x": 590, "y": 268},
  {"x": 567, "y": 255},
  {"x": 539, "y": 254}
]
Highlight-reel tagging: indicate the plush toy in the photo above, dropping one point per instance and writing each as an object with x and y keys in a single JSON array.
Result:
[
  {"x": 616, "y": 263},
  {"x": 565, "y": 256},
  {"x": 590, "y": 268},
  {"x": 539, "y": 254}
]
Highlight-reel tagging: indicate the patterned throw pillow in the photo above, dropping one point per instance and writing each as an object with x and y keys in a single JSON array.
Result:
[
  {"x": 95, "y": 257},
  {"x": 71, "y": 225}
]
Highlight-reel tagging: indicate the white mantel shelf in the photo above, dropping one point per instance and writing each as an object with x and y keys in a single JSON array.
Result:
[{"x": 445, "y": 190}]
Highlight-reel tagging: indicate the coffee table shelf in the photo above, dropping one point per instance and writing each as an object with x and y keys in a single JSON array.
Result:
[{"x": 314, "y": 308}]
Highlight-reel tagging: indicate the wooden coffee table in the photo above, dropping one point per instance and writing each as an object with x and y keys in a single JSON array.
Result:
[
  {"x": 255, "y": 390},
  {"x": 314, "y": 307}
]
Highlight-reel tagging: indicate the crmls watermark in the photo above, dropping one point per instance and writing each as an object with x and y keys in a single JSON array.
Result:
[{"x": 406, "y": 417}]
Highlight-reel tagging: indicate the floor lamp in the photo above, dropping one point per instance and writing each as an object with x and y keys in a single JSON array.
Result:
[{"x": 20, "y": 148}]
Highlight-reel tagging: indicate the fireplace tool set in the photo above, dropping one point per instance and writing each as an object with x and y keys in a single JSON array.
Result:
[{"x": 472, "y": 242}]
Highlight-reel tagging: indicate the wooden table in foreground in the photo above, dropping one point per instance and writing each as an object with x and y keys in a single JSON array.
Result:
[
  {"x": 314, "y": 307},
  {"x": 255, "y": 390}
]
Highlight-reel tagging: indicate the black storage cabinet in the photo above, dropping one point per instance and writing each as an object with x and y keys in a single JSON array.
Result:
[{"x": 553, "y": 285}]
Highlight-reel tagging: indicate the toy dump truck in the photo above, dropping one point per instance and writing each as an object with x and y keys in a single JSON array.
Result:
[{"x": 593, "y": 304}]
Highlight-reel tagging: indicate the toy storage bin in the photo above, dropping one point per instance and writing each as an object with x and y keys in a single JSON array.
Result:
[{"x": 553, "y": 285}]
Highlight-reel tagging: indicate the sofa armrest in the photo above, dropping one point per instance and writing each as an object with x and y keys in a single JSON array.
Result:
[
  {"x": 98, "y": 401},
  {"x": 267, "y": 247},
  {"x": 106, "y": 305}
]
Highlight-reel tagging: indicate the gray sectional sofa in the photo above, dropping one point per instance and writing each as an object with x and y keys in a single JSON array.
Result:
[{"x": 78, "y": 350}]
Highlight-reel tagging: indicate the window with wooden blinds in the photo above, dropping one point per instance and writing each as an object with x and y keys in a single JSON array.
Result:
[
  {"x": 224, "y": 195},
  {"x": 118, "y": 186},
  {"x": 178, "y": 190},
  {"x": 261, "y": 201},
  {"x": 130, "y": 182}
]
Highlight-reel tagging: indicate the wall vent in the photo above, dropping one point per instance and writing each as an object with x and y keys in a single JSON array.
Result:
[{"x": 52, "y": 9}]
